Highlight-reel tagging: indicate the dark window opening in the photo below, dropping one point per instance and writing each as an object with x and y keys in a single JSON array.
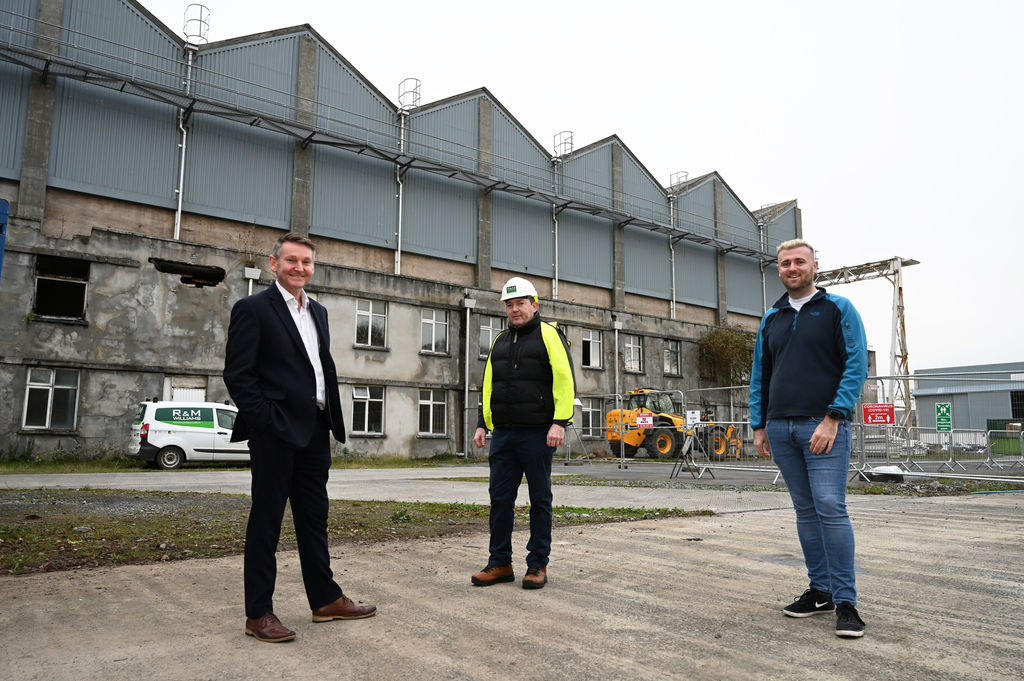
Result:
[
  {"x": 191, "y": 275},
  {"x": 61, "y": 286},
  {"x": 1017, "y": 404}
]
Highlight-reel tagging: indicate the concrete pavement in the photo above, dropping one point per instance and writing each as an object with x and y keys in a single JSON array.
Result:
[{"x": 684, "y": 598}]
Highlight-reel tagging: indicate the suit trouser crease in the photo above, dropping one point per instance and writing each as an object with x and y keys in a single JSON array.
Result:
[
  {"x": 516, "y": 452},
  {"x": 281, "y": 473},
  {"x": 817, "y": 486}
]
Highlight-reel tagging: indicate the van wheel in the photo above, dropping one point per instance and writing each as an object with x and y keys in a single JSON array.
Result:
[{"x": 170, "y": 458}]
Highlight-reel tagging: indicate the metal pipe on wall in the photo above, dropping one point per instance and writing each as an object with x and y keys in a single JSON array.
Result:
[
  {"x": 190, "y": 52},
  {"x": 554, "y": 282},
  {"x": 402, "y": 116}
]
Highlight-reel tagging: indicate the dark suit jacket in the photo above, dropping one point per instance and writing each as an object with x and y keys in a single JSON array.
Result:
[{"x": 269, "y": 375}]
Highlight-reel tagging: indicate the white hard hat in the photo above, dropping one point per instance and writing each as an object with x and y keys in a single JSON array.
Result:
[{"x": 517, "y": 287}]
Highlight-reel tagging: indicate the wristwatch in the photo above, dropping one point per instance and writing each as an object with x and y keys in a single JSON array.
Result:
[{"x": 836, "y": 414}]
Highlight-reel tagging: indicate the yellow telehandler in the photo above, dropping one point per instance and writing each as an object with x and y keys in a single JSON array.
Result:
[{"x": 668, "y": 431}]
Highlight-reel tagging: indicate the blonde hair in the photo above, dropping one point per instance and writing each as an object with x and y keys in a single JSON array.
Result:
[{"x": 794, "y": 243}]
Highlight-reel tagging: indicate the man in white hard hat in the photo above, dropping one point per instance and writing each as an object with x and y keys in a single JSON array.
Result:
[{"x": 528, "y": 398}]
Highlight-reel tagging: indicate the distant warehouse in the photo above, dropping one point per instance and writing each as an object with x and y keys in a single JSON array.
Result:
[{"x": 149, "y": 176}]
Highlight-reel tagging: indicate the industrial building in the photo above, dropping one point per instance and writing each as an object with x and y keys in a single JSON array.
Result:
[{"x": 149, "y": 174}]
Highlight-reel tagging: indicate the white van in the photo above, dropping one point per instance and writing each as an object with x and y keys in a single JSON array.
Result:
[{"x": 167, "y": 434}]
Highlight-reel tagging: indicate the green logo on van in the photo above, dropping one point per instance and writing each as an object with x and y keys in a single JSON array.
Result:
[{"x": 196, "y": 417}]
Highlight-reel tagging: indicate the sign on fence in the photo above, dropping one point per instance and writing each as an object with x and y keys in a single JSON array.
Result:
[
  {"x": 880, "y": 413},
  {"x": 645, "y": 420},
  {"x": 944, "y": 417}
]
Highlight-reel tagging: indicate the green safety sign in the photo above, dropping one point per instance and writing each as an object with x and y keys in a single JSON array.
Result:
[{"x": 943, "y": 417}]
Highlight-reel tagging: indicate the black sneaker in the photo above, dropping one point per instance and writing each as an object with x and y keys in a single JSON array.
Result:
[
  {"x": 848, "y": 622},
  {"x": 811, "y": 602}
]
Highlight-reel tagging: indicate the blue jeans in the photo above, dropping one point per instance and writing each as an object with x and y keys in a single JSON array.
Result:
[
  {"x": 817, "y": 486},
  {"x": 514, "y": 453}
]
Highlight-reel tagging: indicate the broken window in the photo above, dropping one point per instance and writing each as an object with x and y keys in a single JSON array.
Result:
[{"x": 61, "y": 287}]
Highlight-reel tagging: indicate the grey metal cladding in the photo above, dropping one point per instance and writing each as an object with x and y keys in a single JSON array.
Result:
[
  {"x": 448, "y": 134},
  {"x": 773, "y": 288},
  {"x": 114, "y": 36},
  {"x": 590, "y": 259},
  {"x": 516, "y": 158},
  {"x": 695, "y": 210},
  {"x": 587, "y": 177},
  {"x": 18, "y": 22},
  {"x": 743, "y": 284},
  {"x": 643, "y": 197},
  {"x": 238, "y": 172},
  {"x": 347, "y": 106},
  {"x": 14, "y": 84},
  {"x": 521, "y": 239},
  {"x": 109, "y": 144},
  {"x": 696, "y": 274},
  {"x": 739, "y": 226},
  {"x": 257, "y": 76},
  {"x": 439, "y": 216},
  {"x": 353, "y": 197},
  {"x": 648, "y": 268},
  {"x": 782, "y": 228}
]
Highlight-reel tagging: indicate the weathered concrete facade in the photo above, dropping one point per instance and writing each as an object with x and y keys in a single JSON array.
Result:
[{"x": 144, "y": 330}]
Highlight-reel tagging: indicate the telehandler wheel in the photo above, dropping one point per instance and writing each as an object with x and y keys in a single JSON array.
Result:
[
  {"x": 718, "y": 444},
  {"x": 663, "y": 441}
]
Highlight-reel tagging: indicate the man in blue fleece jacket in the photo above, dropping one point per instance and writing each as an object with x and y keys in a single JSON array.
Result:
[{"x": 810, "y": 362}]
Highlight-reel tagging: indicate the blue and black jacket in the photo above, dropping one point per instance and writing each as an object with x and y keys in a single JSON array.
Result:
[{"x": 808, "y": 362}]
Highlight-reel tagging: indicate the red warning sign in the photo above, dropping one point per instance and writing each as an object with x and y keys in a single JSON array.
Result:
[{"x": 881, "y": 413}]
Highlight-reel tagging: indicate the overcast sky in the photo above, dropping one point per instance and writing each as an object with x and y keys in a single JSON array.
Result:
[{"x": 895, "y": 124}]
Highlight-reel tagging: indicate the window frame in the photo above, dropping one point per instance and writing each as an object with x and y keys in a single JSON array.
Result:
[
  {"x": 587, "y": 348},
  {"x": 65, "y": 282},
  {"x": 432, "y": 404},
  {"x": 589, "y": 427},
  {"x": 492, "y": 332},
  {"x": 627, "y": 353},
  {"x": 358, "y": 400},
  {"x": 370, "y": 315},
  {"x": 433, "y": 323},
  {"x": 51, "y": 387},
  {"x": 672, "y": 346}
]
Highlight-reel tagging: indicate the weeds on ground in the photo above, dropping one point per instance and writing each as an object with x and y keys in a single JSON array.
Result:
[{"x": 49, "y": 530}]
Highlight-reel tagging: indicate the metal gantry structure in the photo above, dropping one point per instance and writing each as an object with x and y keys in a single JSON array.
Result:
[{"x": 899, "y": 364}]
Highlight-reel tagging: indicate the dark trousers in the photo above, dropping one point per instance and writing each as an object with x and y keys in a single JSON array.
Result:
[
  {"x": 282, "y": 473},
  {"x": 515, "y": 453}
]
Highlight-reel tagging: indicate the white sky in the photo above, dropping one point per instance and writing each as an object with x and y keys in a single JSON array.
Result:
[{"x": 896, "y": 124}]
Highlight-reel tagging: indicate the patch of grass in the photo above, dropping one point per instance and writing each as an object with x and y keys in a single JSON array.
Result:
[
  {"x": 49, "y": 530},
  {"x": 77, "y": 462}
]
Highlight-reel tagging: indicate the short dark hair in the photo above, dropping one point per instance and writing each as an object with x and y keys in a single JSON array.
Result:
[{"x": 294, "y": 238}]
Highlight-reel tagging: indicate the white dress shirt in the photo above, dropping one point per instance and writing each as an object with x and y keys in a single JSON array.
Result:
[{"x": 307, "y": 331}]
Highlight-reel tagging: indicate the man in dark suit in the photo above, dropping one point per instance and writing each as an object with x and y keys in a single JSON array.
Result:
[{"x": 278, "y": 370}]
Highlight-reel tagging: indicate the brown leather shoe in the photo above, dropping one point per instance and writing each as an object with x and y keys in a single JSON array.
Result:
[
  {"x": 535, "y": 578},
  {"x": 494, "y": 574},
  {"x": 343, "y": 609},
  {"x": 268, "y": 628}
]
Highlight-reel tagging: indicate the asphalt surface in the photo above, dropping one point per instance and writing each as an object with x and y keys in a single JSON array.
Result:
[{"x": 941, "y": 585}]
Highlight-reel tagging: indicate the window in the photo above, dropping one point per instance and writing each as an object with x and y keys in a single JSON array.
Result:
[
  {"x": 432, "y": 412},
  {"x": 1017, "y": 404},
  {"x": 490, "y": 327},
  {"x": 672, "y": 366},
  {"x": 592, "y": 348},
  {"x": 226, "y": 419},
  {"x": 633, "y": 353},
  {"x": 368, "y": 409},
  {"x": 51, "y": 399},
  {"x": 593, "y": 417},
  {"x": 434, "y": 331},
  {"x": 371, "y": 323},
  {"x": 61, "y": 285}
]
